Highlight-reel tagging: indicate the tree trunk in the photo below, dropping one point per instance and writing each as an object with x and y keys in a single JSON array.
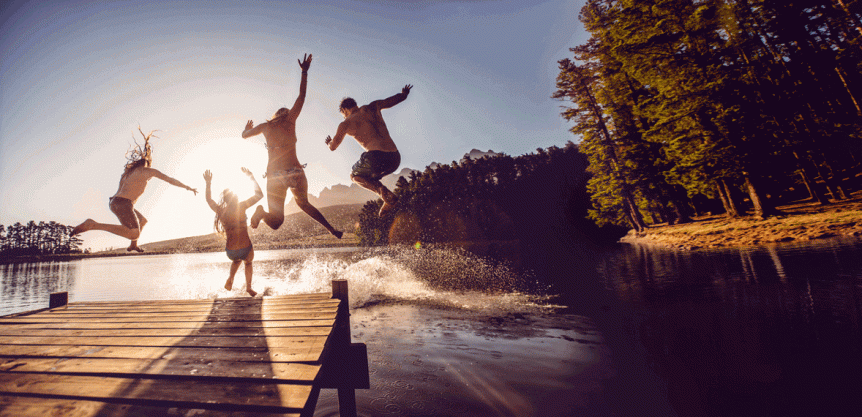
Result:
[
  {"x": 726, "y": 200},
  {"x": 762, "y": 207}
]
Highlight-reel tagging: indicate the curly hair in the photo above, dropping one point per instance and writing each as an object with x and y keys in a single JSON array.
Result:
[
  {"x": 139, "y": 155},
  {"x": 347, "y": 103}
]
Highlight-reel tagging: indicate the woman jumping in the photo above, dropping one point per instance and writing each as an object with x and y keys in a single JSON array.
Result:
[
  {"x": 283, "y": 171},
  {"x": 230, "y": 220},
  {"x": 133, "y": 182}
]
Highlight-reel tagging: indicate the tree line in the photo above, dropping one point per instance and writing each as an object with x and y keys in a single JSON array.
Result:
[
  {"x": 693, "y": 106},
  {"x": 37, "y": 239},
  {"x": 492, "y": 198}
]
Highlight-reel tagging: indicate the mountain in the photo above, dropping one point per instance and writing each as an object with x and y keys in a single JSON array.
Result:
[
  {"x": 354, "y": 194},
  {"x": 298, "y": 230},
  {"x": 343, "y": 194}
]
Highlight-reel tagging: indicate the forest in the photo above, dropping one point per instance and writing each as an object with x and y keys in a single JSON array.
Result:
[
  {"x": 494, "y": 198},
  {"x": 34, "y": 239},
  {"x": 690, "y": 107}
]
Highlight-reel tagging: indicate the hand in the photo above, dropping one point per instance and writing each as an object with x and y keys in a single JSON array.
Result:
[
  {"x": 328, "y": 139},
  {"x": 194, "y": 190},
  {"x": 208, "y": 176},
  {"x": 247, "y": 172},
  {"x": 249, "y": 125},
  {"x": 305, "y": 63},
  {"x": 406, "y": 89}
]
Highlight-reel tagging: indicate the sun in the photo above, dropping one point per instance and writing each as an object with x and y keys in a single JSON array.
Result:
[{"x": 173, "y": 213}]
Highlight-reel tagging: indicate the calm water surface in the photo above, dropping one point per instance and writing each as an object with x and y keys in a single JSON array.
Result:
[{"x": 770, "y": 331}]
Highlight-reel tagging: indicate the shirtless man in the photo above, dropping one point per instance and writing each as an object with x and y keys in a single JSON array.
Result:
[
  {"x": 133, "y": 182},
  {"x": 284, "y": 170},
  {"x": 381, "y": 157}
]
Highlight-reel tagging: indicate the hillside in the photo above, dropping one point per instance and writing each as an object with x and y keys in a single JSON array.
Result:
[{"x": 298, "y": 230}]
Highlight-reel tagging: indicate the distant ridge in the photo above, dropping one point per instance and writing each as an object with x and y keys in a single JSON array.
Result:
[{"x": 354, "y": 194}]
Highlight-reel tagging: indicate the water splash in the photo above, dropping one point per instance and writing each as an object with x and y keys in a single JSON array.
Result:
[{"x": 434, "y": 276}]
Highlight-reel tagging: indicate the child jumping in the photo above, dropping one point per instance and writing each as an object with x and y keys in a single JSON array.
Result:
[{"x": 230, "y": 221}]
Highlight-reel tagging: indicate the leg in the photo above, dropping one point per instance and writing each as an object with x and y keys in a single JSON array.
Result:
[
  {"x": 275, "y": 194},
  {"x": 228, "y": 285},
  {"x": 389, "y": 198},
  {"x": 300, "y": 194},
  {"x": 142, "y": 221},
  {"x": 117, "y": 229},
  {"x": 248, "y": 272}
]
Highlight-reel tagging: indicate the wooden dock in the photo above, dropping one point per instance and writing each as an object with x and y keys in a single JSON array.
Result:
[{"x": 235, "y": 356}]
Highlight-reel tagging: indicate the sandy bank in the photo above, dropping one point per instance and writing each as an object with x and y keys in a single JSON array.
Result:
[{"x": 801, "y": 221}]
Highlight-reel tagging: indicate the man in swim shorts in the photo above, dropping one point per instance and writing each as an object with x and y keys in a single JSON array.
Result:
[{"x": 381, "y": 156}]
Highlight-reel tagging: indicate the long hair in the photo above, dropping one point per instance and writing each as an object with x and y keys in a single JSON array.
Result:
[
  {"x": 139, "y": 155},
  {"x": 227, "y": 200},
  {"x": 280, "y": 116}
]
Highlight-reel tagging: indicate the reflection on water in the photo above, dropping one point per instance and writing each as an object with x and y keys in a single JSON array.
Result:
[
  {"x": 771, "y": 331},
  {"x": 749, "y": 332}
]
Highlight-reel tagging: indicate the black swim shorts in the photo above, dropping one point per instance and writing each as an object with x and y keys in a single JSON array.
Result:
[
  {"x": 125, "y": 211},
  {"x": 376, "y": 164}
]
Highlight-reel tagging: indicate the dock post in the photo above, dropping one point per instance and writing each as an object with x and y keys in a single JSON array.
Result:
[
  {"x": 346, "y": 394},
  {"x": 58, "y": 299}
]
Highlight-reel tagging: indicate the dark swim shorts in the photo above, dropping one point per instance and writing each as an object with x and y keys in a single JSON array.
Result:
[
  {"x": 238, "y": 254},
  {"x": 125, "y": 211},
  {"x": 376, "y": 164}
]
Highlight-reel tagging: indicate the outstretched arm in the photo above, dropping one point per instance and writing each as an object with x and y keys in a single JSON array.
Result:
[
  {"x": 258, "y": 194},
  {"x": 339, "y": 136},
  {"x": 158, "y": 174},
  {"x": 208, "y": 176},
  {"x": 252, "y": 130},
  {"x": 305, "y": 64},
  {"x": 391, "y": 101}
]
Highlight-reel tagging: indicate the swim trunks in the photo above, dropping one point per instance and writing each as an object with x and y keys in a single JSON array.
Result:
[
  {"x": 238, "y": 254},
  {"x": 290, "y": 178},
  {"x": 376, "y": 164},
  {"x": 125, "y": 211}
]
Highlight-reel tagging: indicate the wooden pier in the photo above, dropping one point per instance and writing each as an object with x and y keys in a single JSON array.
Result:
[{"x": 235, "y": 356}]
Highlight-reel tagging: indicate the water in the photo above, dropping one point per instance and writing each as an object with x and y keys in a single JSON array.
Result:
[{"x": 634, "y": 331}]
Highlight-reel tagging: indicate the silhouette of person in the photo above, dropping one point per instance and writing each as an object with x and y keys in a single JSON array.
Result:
[
  {"x": 381, "y": 156},
  {"x": 230, "y": 222},
  {"x": 283, "y": 170},
  {"x": 133, "y": 182}
]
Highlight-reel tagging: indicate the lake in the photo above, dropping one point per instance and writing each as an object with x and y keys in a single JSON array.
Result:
[{"x": 631, "y": 330}]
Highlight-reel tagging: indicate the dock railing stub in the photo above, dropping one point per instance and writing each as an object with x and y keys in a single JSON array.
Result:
[{"x": 346, "y": 368}]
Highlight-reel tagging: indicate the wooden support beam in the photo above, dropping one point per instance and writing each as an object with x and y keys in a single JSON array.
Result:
[
  {"x": 341, "y": 348},
  {"x": 58, "y": 299}
]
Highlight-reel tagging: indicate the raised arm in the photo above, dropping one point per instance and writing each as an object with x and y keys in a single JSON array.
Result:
[
  {"x": 258, "y": 194},
  {"x": 339, "y": 136},
  {"x": 208, "y": 176},
  {"x": 305, "y": 64},
  {"x": 158, "y": 174},
  {"x": 391, "y": 101},
  {"x": 252, "y": 130}
]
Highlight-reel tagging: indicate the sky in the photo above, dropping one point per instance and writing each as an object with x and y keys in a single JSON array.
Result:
[{"x": 77, "y": 79}]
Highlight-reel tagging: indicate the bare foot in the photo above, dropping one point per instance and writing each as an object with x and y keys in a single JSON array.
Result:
[
  {"x": 134, "y": 247},
  {"x": 337, "y": 233},
  {"x": 251, "y": 292},
  {"x": 256, "y": 217},
  {"x": 83, "y": 227},
  {"x": 229, "y": 284}
]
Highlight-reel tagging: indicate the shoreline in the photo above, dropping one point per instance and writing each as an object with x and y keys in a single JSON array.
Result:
[{"x": 798, "y": 222}]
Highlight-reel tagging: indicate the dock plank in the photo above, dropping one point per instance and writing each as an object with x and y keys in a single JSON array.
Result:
[
  {"x": 236, "y": 356},
  {"x": 243, "y": 354},
  {"x": 194, "y": 393}
]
